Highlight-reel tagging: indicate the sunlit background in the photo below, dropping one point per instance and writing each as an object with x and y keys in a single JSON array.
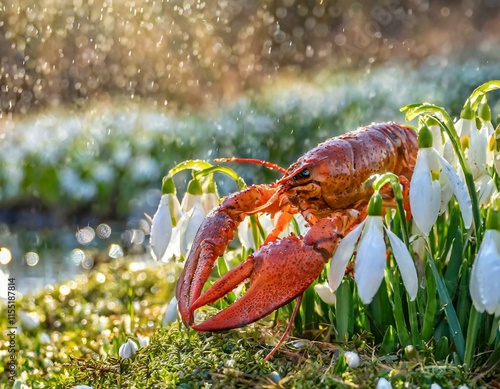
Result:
[{"x": 98, "y": 99}]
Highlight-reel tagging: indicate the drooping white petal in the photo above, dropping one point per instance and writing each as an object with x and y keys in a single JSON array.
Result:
[
  {"x": 425, "y": 194},
  {"x": 171, "y": 313},
  {"x": 189, "y": 200},
  {"x": 209, "y": 202},
  {"x": 405, "y": 264},
  {"x": 245, "y": 234},
  {"x": 161, "y": 228},
  {"x": 476, "y": 154},
  {"x": 484, "y": 285},
  {"x": 486, "y": 188},
  {"x": 188, "y": 226},
  {"x": 341, "y": 257},
  {"x": 174, "y": 247},
  {"x": 370, "y": 259},
  {"x": 465, "y": 126},
  {"x": 325, "y": 293},
  {"x": 459, "y": 190}
]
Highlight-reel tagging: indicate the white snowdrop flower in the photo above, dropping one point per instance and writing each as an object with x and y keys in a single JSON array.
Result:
[
  {"x": 352, "y": 359},
  {"x": 432, "y": 178},
  {"x": 371, "y": 259},
  {"x": 127, "y": 349},
  {"x": 81, "y": 387},
  {"x": 486, "y": 188},
  {"x": 325, "y": 293},
  {"x": 188, "y": 227},
  {"x": 382, "y": 383},
  {"x": 171, "y": 313},
  {"x": 435, "y": 386},
  {"x": 484, "y": 285},
  {"x": 161, "y": 228}
]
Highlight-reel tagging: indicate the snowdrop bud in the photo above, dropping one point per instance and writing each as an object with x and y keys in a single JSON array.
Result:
[
  {"x": 435, "y": 386},
  {"x": 352, "y": 359},
  {"x": 462, "y": 387},
  {"x": 274, "y": 376},
  {"x": 382, "y": 383},
  {"x": 127, "y": 349},
  {"x": 81, "y": 387}
]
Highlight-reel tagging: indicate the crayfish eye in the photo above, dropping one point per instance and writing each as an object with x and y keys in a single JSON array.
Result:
[{"x": 301, "y": 175}]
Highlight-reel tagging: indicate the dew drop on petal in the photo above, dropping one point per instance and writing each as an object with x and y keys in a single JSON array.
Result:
[{"x": 31, "y": 258}]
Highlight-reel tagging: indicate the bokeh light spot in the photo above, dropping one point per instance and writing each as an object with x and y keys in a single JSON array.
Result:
[
  {"x": 31, "y": 258},
  {"x": 77, "y": 256},
  {"x": 85, "y": 235},
  {"x": 88, "y": 263},
  {"x": 5, "y": 256},
  {"x": 103, "y": 231},
  {"x": 115, "y": 251}
]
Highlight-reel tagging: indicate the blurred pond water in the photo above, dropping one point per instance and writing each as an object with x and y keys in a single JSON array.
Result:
[{"x": 75, "y": 186}]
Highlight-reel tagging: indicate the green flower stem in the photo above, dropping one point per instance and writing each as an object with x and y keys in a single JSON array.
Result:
[
  {"x": 224, "y": 170},
  {"x": 494, "y": 330},
  {"x": 455, "y": 329},
  {"x": 430, "y": 306},
  {"x": 476, "y": 96},
  {"x": 379, "y": 182},
  {"x": 412, "y": 313},
  {"x": 193, "y": 164},
  {"x": 399, "y": 319},
  {"x": 472, "y": 331}
]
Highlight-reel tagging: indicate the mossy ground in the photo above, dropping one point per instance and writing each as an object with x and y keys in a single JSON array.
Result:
[{"x": 88, "y": 318}]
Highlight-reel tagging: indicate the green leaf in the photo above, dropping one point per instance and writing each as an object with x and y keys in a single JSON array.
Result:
[
  {"x": 390, "y": 341},
  {"x": 344, "y": 311},
  {"x": 431, "y": 305},
  {"x": 442, "y": 348},
  {"x": 455, "y": 329}
]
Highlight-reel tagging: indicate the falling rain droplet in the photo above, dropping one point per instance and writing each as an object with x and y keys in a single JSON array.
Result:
[
  {"x": 85, "y": 235},
  {"x": 103, "y": 231},
  {"x": 31, "y": 258}
]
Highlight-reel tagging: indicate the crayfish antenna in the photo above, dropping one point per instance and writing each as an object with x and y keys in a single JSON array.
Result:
[
  {"x": 287, "y": 330},
  {"x": 267, "y": 164}
]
